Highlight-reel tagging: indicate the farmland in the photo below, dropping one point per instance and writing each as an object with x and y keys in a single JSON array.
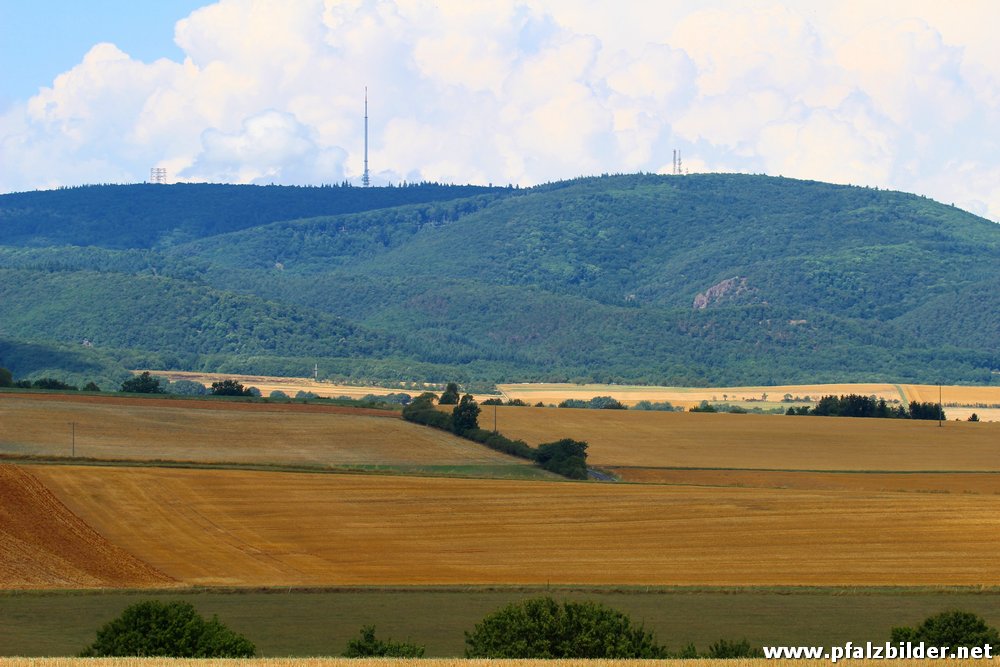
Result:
[
  {"x": 960, "y": 400},
  {"x": 772, "y": 442},
  {"x": 240, "y": 528},
  {"x": 746, "y": 520},
  {"x": 42, "y": 544},
  {"x": 232, "y": 432}
]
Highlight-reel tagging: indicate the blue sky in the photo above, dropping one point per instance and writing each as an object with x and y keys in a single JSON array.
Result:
[
  {"x": 895, "y": 94},
  {"x": 40, "y": 39}
]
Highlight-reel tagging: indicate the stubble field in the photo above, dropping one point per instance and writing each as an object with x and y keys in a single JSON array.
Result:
[
  {"x": 768, "y": 442},
  {"x": 240, "y": 528},
  {"x": 232, "y": 432}
]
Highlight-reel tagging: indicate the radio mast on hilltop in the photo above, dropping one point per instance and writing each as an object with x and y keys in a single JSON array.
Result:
[{"x": 364, "y": 179}]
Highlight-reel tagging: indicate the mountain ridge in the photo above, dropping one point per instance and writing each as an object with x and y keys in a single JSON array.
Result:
[{"x": 620, "y": 278}]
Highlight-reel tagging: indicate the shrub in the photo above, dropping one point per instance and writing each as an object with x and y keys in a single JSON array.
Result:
[
  {"x": 187, "y": 388},
  {"x": 278, "y": 395},
  {"x": 665, "y": 406},
  {"x": 173, "y": 629},
  {"x": 566, "y": 457},
  {"x": 950, "y": 628},
  {"x": 733, "y": 649},
  {"x": 230, "y": 388},
  {"x": 367, "y": 645},
  {"x": 542, "y": 628}
]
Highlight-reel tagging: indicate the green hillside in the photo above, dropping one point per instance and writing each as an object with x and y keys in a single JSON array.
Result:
[{"x": 706, "y": 279}]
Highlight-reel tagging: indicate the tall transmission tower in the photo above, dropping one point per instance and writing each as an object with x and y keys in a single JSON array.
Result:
[
  {"x": 158, "y": 175},
  {"x": 365, "y": 181}
]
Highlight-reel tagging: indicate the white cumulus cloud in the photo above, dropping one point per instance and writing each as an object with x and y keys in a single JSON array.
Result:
[{"x": 896, "y": 94}]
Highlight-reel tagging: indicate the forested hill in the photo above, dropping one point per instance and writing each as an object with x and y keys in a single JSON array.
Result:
[
  {"x": 703, "y": 279},
  {"x": 147, "y": 215}
]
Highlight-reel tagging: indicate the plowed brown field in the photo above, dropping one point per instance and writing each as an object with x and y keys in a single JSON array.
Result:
[
  {"x": 704, "y": 440},
  {"x": 250, "y": 528},
  {"x": 43, "y": 544},
  {"x": 222, "y": 431}
]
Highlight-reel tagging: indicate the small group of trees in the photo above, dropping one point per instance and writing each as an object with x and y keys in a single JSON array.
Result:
[
  {"x": 565, "y": 457},
  {"x": 596, "y": 403},
  {"x": 855, "y": 405}
]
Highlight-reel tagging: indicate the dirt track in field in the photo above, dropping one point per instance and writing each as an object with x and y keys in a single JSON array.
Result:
[
  {"x": 44, "y": 545},
  {"x": 772, "y": 442},
  {"x": 240, "y": 528}
]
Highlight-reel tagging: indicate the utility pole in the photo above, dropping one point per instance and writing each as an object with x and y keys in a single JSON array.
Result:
[{"x": 494, "y": 417}]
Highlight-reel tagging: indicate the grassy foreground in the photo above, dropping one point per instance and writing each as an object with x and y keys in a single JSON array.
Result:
[{"x": 320, "y": 622}]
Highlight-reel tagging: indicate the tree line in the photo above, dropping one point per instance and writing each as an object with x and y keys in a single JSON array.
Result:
[
  {"x": 534, "y": 628},
  {"x": 566, "y": 457},
  {"x": 855, "y": 405}
]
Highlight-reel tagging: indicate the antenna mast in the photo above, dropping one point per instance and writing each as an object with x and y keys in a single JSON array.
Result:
[{"x": 364, "y": 179}]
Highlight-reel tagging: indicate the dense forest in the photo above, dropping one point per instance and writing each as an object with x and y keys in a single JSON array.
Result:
[{"x": 694, "y": 280}]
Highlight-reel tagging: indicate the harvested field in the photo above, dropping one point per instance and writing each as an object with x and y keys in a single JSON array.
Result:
[
  {"x": 688, "y": 396},
  {"x": 830, "y": 481},
  {"x": 223, "y": 431},
  {"x": 239, "y": 528},
  {"x": 774, "y": 442},
  {"x": 957, "y": 395},
  {"x": 43, "y": 544}
]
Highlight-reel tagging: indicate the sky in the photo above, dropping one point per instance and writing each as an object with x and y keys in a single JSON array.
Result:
[{"x": 889, "y": 94}]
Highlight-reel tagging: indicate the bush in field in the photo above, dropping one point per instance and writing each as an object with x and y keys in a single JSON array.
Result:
[
  {"x": 231, "y": 388},
  {"x": 278, "y": 395},
  {"x": 173, "y": 629},
  {"x": 665, "y": 406},
  {"x": 950, "y": 628},
  {"x": 542, "y": 628},
  {"x": 368, "y": 645},
  {"x": 724, "y": 649},
  {"x": 6, "y": 378},
  {"x": 566, "y": 457},
  {"x": 187, "y": 388},
  {"x": 144, "y": 383}
]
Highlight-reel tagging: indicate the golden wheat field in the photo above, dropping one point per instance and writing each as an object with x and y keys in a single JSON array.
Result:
[
  {"x": 706, "y": 440},
  {"x": 220, "y": 431},
  {"x": 243, "y": 528},
  {"x": 457, "y": 662}
]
